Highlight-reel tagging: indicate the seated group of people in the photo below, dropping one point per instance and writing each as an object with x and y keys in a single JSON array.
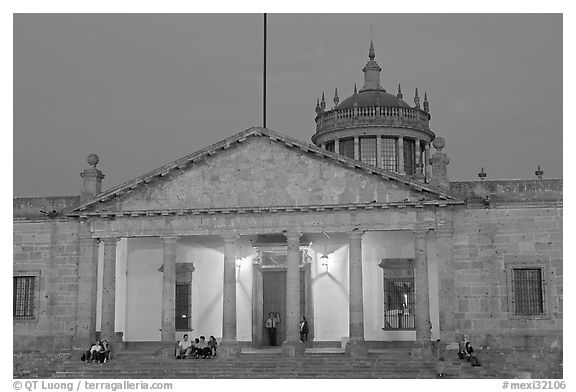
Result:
[
  {"x": 99, "y": 352},
  {"x": 197, "y": 348},
  {"x": 467, "y": 352}
]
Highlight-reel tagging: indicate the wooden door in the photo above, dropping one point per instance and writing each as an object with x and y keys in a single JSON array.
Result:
[{"x": 274, "y": 300}]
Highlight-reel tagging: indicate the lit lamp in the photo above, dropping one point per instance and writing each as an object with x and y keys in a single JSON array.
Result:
[
  {"x": 238, "y": 266},
  {"x": 324, "y": 260}
]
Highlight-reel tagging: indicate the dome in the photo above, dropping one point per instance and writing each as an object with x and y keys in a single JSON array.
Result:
[{"x": 370, "y": 98}]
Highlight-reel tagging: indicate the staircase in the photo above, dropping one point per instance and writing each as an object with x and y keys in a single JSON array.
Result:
[{"x": 251, "y": 363}]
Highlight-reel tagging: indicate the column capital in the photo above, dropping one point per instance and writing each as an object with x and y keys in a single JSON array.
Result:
[
  {"x": 170, "y": 239},
  {"x": 421, "y": 232},
  {"x": 356, "y": 234},
  {"x": 292, "y": 235},
  {"x": 109, "y": 240},
  {"x": 230, "y": 238}
]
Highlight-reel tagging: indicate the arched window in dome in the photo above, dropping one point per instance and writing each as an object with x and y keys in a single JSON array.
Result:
[
  {"x": 368, "y": 150},
  {"x": 346, "y": 148},
  {"x": 409, "y": 156},
  {"x": 388, "y": 159}
]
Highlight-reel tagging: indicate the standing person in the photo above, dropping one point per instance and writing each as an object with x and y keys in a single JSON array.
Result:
[
  {"x": 271, "y": 329},
  {"x": 212, "y": 343},
  {"x": 275, "y": 322},
  {"x": 184, "y": 347},
  {"x": 303, "y": 329}
]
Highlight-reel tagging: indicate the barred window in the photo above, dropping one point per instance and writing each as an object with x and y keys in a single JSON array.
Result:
[
  {"x": 399, "y": 303},
  {"x": 528, "y": 291},
  {"x": 347, "y": 148},
  {"x": 183, "y": 306},
  {"x": 330, "y": 146},
  {"x": 409, "y": 156},
  {"x": 24, "y": 291},
  {"x": 388, "y": 158},
  {"x": 368, "y": 150}
]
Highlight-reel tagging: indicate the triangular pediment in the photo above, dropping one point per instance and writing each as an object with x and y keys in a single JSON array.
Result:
[{"x": 259, "y": 168}]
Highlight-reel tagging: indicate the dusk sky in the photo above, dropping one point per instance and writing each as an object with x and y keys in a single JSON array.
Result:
[{"x": 144, "y": 90}]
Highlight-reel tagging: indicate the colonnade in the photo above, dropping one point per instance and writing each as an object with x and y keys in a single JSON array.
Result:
[{"x": 229, "y": 344}]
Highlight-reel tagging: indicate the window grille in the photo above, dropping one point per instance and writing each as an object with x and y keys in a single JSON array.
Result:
[
  {"x": 388, "y": 158},
  {"x": 409, "y": 156},
  {"x": 330, "y": 146},
  {"x": 24, "y": 297},
  {"x": 183, "y": 306},
  {"x": 528, "y": 291},
  {"x": 347, "y": 148},
  {"x": 399, "y": 303},
  {"x": 368, "y": 150}
]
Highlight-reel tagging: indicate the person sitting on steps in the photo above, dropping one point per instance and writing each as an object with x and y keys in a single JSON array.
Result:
[
  {"x": 195, "y": 350},
  {"x": 105, "y": 352},
  {"x": 212, "y": 343},
  {"x": 184, "y": 347},
  {"x": 203, "y": 348},
  {"x": 93, "y": 354}
]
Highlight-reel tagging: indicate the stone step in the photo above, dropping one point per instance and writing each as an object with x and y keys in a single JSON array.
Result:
[{"x": 316, "y": 363}]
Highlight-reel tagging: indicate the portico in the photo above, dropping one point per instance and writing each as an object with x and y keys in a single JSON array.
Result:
[{"x": 330, "y": 250}]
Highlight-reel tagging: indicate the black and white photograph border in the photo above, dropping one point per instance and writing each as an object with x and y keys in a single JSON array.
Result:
[{"x": 302, "y": 196}]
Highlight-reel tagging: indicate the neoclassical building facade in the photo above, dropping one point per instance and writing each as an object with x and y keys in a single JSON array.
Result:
[{"x": 361, "y": 233}]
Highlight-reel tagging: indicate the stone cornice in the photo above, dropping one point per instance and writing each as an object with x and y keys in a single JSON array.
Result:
[{"x": 266, "y": 209}]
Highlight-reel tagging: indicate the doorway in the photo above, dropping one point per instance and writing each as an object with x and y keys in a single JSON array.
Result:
[{"x": 274, "y": 300}]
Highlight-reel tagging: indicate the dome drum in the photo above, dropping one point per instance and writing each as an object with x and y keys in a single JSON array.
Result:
[{"x": 371, "y": 116}]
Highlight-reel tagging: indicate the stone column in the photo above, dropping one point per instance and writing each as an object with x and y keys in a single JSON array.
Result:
[
  {"x": 401, "y": 155},
  {"x": 229, "y": 345},
  {"x": 337, "y": 146},
  {"x": 87, "y": 293},
  {"x": 423, "y": 326},
  {"x": 168, "y": 335},
  {"x": 418, "y": 152},
  {"x": 378, "y": 151},
  {"x": 427, "y": 162},
  {"x": 356, "y": 148},
  {"x": 292, "y": 346},
  {"x": 356, "y": 346},
  {"x": 109, "y": 290},
  {"x": 419, "y": 173}
]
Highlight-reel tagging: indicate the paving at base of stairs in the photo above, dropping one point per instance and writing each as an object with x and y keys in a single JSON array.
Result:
[{"x": 329, "y": 363}]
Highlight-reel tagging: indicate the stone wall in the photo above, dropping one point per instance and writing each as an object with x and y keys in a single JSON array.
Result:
[
  {"x": 47, "y": 250},
  {"x": 486, "y": 244},
  {"x": 509, "y": 191},
  {"x": 30, "y": 207}
]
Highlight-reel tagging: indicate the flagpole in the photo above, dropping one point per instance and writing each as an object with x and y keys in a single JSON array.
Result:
[{"x": 264, "y": 78}]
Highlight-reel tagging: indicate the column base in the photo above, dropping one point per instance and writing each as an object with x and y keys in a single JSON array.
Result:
[
  {"x": 292, "y": 349},
  {"x": 423, "y": 350},
  {"x": 228, "y": 350},
  {"x": 419, "y": 177},
  {"x": 167, "y": 350},
  {"x": 356, "y": 348}
]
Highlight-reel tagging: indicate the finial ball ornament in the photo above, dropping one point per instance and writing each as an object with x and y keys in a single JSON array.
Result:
[
  {"x": 93, "y": 159},
  {"x": 439, "y": 143}
]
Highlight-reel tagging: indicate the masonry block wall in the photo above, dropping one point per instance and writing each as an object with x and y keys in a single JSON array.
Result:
[
  {"x": 48, "y": 251},
  {"x": 486, "y": 245}
]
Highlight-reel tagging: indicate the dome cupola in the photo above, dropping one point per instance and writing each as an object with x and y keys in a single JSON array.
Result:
[{"x": 376, "y": 127}]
